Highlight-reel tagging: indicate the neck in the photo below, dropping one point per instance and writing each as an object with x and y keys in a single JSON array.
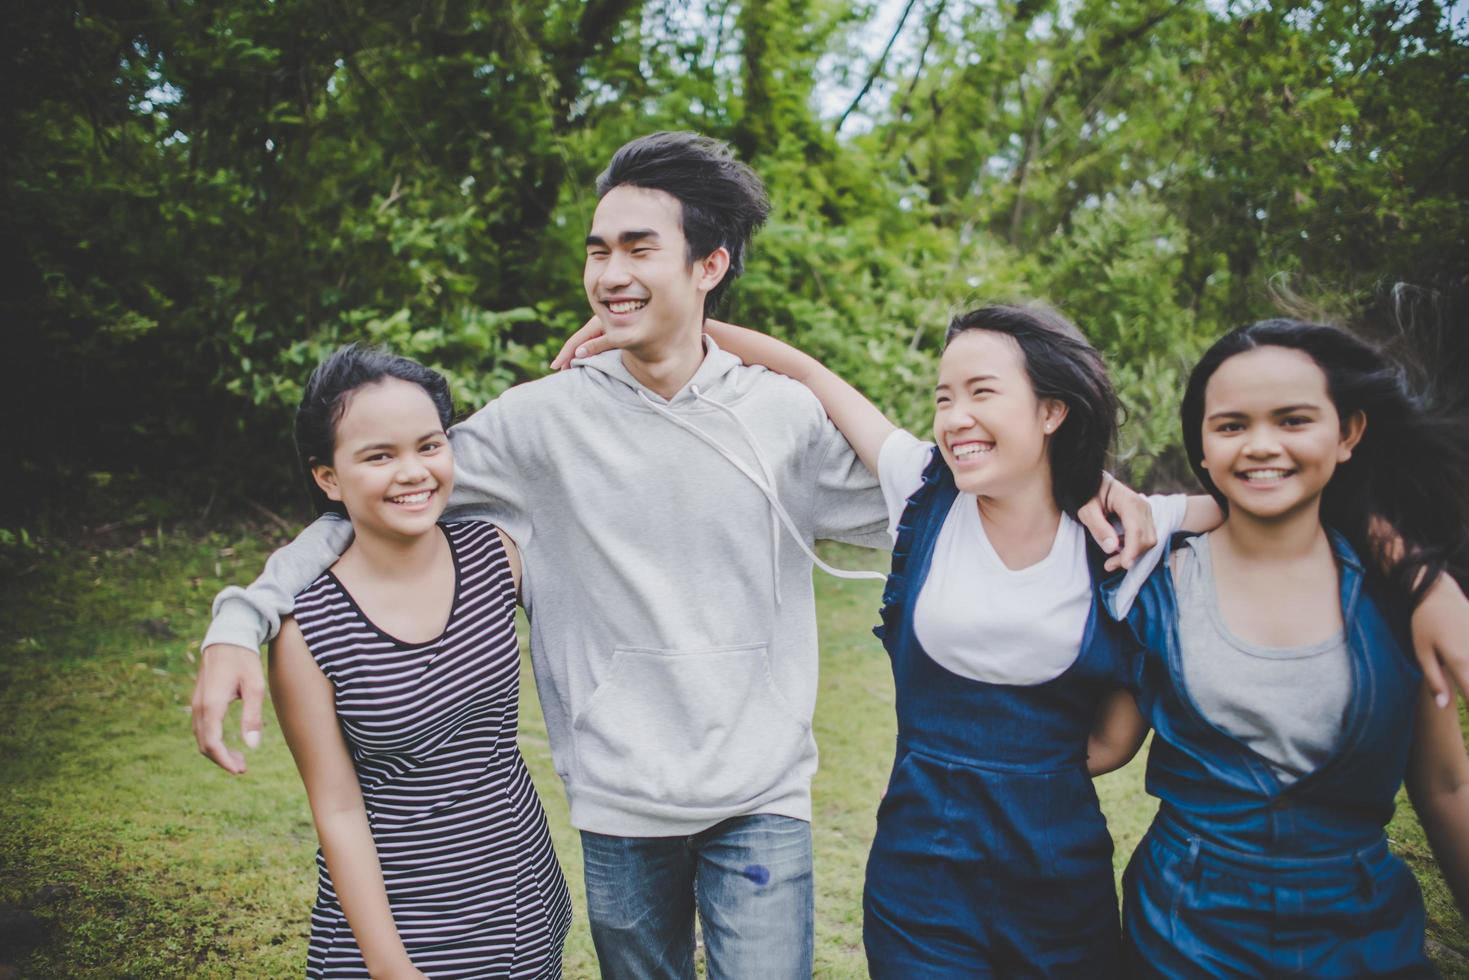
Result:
[
  {"x": 1287, "y": 538},
  {"x": 397, "y": 558},
  {"x": 1028, "y": 511},
  {"x": 667, "y": 368}
]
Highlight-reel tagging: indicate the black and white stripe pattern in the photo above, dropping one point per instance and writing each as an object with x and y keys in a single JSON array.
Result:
[{"x": 466, "y": 857}]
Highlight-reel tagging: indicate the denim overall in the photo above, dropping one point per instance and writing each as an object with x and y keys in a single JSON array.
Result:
[
  {"x": 992, "y": 857},
  {"x": 1243, "y": 876}
]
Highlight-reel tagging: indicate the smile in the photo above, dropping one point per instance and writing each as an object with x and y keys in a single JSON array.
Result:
[
  {"x": 627, "y": 305},
  {"x": 1265, "y": 475},
  {"x": 971, "y": 450},
  {"x": 410, "y": 499}
]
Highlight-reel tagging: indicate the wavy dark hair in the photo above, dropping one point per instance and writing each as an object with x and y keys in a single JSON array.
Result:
[
  {"x": 1063, "y": 366},
  {"x": 1409, "y": 468},
  {"x": 325, "y": 400},
  {"x": 724, "y": 202}
]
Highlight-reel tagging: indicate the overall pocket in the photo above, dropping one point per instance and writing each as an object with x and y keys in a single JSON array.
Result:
[{"x": 691, "y": 728}]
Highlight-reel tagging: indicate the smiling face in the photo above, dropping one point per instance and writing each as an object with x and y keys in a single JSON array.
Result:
[
  {"x": 989, "y": 425},
  {"x": 392, "y": 467},
  {"x": 638, "y": 276},
  {"x": 1272, "y": 437}
]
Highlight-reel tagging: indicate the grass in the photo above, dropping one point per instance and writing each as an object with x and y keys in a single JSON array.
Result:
[{"x": 124, "y": 854}]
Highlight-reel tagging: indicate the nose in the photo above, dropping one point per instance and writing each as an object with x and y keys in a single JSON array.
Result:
[
  {"x": 1260, "y": 442},
  {"x": 411, "y": 469},
  {"x": 616, "y": 271}
]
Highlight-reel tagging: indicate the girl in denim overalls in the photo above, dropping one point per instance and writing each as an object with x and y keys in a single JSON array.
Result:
[
  {"x": 1268, "y": 856},
  {"x": 992, "y": 856}
]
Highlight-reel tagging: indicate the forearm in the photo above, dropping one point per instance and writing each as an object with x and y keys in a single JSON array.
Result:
[
  {"x": 352, "y": 861},
  {"x": 1444, "y": 815},
  {"x": 861, "y": 422},
  {"x": 1116, "y": 735},
  {"x": 250, "y": 616}
]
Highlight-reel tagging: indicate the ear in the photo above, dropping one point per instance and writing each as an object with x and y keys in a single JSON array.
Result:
[
  {"x": 711, "y": 268},
  {"x": 326, "y": 479},
  {"x": 1352, "y": 428},
  {"x": 1053, "y": 413}
]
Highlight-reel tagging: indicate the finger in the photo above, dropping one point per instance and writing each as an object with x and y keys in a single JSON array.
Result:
[
  {"x": 1091, "y": 517},
  {"x": 1433, "y": 676},
  {"x": 595, "y": 346},
  {"x": 211, "y": 743},
  {"x": 252, "y": 695},
  {"x": 208, "y": 715},
  {"x": 592, "y": 328}
]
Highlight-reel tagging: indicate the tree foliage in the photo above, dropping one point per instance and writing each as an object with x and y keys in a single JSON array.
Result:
[{"x": 200, "y": 199}]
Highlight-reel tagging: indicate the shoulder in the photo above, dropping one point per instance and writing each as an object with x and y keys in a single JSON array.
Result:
[{"x": 755, "y": 384}]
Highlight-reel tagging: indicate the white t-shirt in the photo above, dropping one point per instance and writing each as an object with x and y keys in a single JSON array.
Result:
[{"x": 982, "y": 620}]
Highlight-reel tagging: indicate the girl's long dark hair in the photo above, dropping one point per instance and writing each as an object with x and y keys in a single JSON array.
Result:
[
  {"x": 325, "y": 399},
  {"x": 1410, "y": 468},
  {"x": 1061, "y": 365}
]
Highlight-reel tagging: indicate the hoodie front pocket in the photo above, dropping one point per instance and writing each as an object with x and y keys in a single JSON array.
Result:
[{"x": 689, "y": 728}]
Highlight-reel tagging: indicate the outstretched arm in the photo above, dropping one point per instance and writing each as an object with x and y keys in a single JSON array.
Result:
[
  {"x": 1438, "y": 784},
  {"x": 246, "y": 618},
  {"x": 1117, "y": 734},
  {"x": 305, "y": 705},
  {"x": 860, "y": 421}
]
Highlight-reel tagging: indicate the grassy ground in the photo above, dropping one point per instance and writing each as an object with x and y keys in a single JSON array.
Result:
[{"x": 124, "y": 854}]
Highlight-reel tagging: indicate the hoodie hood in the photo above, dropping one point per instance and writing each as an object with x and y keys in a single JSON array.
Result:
[{"x": 718, "y": 375}]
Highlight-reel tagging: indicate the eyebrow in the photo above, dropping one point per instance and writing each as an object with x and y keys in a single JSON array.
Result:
[
  {"x": 626, "y": 238},
  {"x": 388, "y": 445},
  {"x": 1282, "y": 410},
  {"x": 969, "y": 381}
]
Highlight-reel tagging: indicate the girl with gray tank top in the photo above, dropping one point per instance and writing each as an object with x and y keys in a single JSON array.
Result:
[{"x": 1275, "y": 669}]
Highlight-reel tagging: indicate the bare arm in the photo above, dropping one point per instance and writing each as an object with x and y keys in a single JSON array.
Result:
[
  {"x": 1438, "y": 784},
  {"x": 860, "y": 421},
  {"x": 1117, "y": 734},
  {"x": 512, "y": 555},
  {"x": 1441, "y": 638},
  {"x": 306, "y": 709},
  {"x": 1203, "y": 514}
]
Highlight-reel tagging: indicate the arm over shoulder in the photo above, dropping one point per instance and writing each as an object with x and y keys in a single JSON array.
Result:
[
  {"x": 489, "y": 474},
  {"x": 248, "y": 617}
]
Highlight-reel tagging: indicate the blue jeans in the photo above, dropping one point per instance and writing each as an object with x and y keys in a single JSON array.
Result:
[{"x": 749, "y": 877}]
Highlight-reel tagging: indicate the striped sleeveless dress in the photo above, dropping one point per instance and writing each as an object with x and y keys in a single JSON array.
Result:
[{"x": 473, "y": 882}]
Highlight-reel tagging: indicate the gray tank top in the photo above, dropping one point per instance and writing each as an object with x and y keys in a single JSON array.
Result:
[{"x": 1286, "y": 703}]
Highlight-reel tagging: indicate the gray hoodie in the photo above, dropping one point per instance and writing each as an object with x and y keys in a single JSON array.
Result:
[{"x": 667, "y": 578}]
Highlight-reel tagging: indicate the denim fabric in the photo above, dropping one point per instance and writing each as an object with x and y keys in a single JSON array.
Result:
[
  {"x": 749, "y": 878},
  {"x": 992, "y": 856},
  {"x": 1280, "y": 903}
]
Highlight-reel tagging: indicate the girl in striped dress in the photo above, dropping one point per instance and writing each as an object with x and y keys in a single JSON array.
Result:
[{"x": 396, "y": 685}]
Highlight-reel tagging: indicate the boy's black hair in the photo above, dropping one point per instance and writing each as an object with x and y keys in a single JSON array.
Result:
[
  {"x": 724, "y": 202},
  {"x": 325, "y": 400},
  {"x": 1063, "y": 366}
]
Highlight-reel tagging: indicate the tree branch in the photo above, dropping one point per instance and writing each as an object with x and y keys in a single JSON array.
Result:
[{"x": 877, "y": 66}]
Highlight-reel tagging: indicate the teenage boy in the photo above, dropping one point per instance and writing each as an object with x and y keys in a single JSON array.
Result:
[{"x": 664, "y": 497}]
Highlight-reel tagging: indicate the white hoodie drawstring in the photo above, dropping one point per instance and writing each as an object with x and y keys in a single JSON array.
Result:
[{"x": 766, "y": 487}]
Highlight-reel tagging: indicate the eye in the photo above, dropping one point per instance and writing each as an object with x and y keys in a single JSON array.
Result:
[
  {"x": 596, "y": 253},
  {"x": 642, "y": 250},
  {"x": 941, "y": 401},
  {"x": 377, "y": 457},
  {"x": 977, "y": 392},
  {"x": 1229, "y": 427},
  {"x": 1295, "y": 421},
  {"x": 431, "y": 447}
]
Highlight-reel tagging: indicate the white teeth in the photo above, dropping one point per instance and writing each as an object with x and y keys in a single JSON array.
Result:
[
  {"x": 411, "y": 498},
  {"x": 970, "y": 450},
  {"x": 627, "y": 306},
  {"x": 1261, "y": 476}
]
